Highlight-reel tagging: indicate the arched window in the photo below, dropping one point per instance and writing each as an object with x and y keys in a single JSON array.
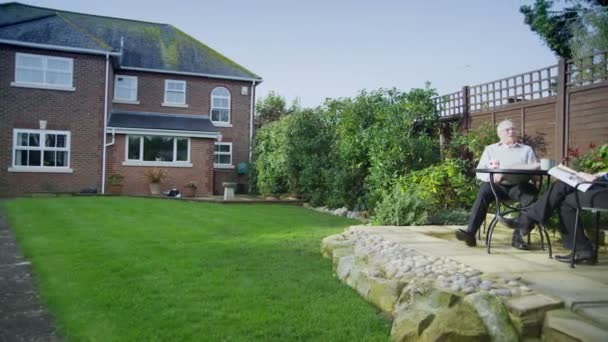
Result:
[{"x": 220, "y": 105}]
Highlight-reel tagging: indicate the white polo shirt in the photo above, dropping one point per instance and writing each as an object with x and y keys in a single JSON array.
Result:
[{"x": 508, "y": 155}]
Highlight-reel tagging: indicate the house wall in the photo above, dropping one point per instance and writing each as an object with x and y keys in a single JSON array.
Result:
[
  {"x": 151, "y": 87},
  {"x": 79, "y": 111},
  {"x": 201, "y": 172}
]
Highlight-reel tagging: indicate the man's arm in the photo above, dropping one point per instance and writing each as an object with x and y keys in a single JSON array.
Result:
[
  {"x": 483, "y": 163},
  {"x": 531, "y": 157}
]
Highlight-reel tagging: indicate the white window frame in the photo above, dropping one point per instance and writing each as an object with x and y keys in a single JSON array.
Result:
[
  {"x": 116, "y": 86},
  {"x": 222, "y": 165},
  {"x": 142, "y": 162},
  {"x": 43, "y": 169},
  {"x": 44, "y": 84},
  {"x": 218, "y": 122},
  {"x": 175, "y": 104}
]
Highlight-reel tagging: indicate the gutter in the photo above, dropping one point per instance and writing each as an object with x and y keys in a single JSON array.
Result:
[
  {"x": 59, "y": 48},
  {"x": 224, "y": 77}
]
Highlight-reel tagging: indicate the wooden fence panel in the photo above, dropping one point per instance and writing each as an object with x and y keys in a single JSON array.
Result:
[
  {"x": 540, "y": 127},
  {"x": 588, "y": 117}
]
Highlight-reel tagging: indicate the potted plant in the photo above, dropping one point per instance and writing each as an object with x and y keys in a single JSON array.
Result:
[
  {"x": 115, "y": 183},
  {"x": 190, "y": 189},
  {"x": 155, "y": 176}
]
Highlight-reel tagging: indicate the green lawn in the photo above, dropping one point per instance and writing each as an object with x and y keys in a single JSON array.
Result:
[{"x": 127, "y": 269}]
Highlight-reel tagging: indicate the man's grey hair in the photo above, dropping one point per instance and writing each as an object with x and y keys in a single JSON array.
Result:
[{"x": 503, "y": 125}]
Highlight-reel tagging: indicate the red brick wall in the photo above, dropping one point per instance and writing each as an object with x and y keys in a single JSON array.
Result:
[
  {"x": 79, "y": 111},
  {"x": 201, "y": 172},
  {"x": 151, "y": 87}
]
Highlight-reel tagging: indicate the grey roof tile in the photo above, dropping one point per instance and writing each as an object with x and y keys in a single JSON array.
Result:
[
  {"x": 146, "y": 45},
  {"x": 175, "y": 122}
]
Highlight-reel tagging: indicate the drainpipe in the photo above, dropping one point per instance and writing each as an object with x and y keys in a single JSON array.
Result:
[
  {"x": 105, "y": 127},
  {"x": 252, "y": 109}
]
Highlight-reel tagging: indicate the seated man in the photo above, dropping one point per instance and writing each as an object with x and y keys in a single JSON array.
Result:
[
  {"x": 505, "y": 153},
  {"x": 561, "y": 195}
]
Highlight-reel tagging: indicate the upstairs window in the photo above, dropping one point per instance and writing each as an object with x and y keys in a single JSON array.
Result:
[
  {"x": 41, "y": 149},
  {"x": 223, "y": 155},
  {"x": 220, "y": 105},
  {"x": 43, "y": 71},
  {"x": 125, "y": 88},
  {"x": 175, "y": 93}
]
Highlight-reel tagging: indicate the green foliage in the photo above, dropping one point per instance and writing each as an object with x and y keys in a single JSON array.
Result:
[
  {"x": 457, "y": 216},
  {"x": 271, "y": 158},
  {"x": 571, "y": 31},
  {"x": 272, "y": 108},
  {"x": 444, "y": 185},
  {"x": 402, "y": 208},
  {"x": 470, "y": 145},
  {"x": 309, "y": 144},
  {"x": 349, "y": 151},
  {"x": 594, "y": 160}
]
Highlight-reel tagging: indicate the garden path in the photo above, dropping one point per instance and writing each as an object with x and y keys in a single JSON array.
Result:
[{"x": 22, "y": 316}]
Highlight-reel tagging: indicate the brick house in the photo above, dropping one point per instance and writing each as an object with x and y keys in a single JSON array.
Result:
[{"x": 83, "y": 97}]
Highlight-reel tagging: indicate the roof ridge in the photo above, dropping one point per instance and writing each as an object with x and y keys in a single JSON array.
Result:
[{"x": 80, "y": 13}]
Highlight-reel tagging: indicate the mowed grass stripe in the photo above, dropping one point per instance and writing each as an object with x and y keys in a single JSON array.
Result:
[{"x": 132, "y": 269}]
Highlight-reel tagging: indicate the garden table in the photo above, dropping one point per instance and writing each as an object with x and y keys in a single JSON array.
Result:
[{"x": 510, "y": 209}]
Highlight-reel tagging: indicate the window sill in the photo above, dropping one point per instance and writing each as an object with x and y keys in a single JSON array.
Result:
[
  {"x": 221, "y": 124},
  {"x": 223, "y": 166},
  {"x": 40, "y": 169},
  {"x": 178, "y": 105},
  {"x": 41, "y": 86},
  {"x": 125, "y": 102},
  {"x": 155, "y": 163}
]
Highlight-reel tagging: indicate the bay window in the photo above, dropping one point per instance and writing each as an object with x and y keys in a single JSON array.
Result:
[{"x": 153, "y": 149}]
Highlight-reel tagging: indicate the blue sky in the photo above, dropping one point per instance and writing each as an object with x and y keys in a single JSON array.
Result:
[{"x": 316, "y": 49}]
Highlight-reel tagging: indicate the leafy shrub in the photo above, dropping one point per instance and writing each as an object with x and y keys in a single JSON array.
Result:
[
  {"x": 309, "y": 154},
  {"x": 444, "y": 185},
  {"x": 271, "y": 158},
  {"x": 402, "y": 208},
  {"x": 594, "y": 160},
  {"x": 469, "y": 145},
  {"x": 455, "y": 216}
]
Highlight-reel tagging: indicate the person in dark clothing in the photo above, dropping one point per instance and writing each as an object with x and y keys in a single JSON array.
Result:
[{"x": 561, "y": 195}]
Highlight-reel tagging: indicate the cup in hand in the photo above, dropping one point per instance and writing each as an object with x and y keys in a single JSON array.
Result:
[
  {"x": 494, "y": 164},
  {"x": 546, "y": 164}
]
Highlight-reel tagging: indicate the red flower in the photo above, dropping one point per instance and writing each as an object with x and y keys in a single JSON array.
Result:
[
  {"x": 574, "y": 152},
  {"x": 591, "y": 145}
]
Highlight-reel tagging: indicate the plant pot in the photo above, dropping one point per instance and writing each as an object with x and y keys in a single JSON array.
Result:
[
  {"x": 190, "y": 192},
  {"x": 154, "y": 188},
  {"x": 115, "y": 189}
]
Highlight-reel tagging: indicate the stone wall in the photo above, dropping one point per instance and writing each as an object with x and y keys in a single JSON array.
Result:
[{"x": 431, "y": 298}]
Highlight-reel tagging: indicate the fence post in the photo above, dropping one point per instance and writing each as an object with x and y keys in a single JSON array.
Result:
[
  {"x": 466, "y": 120},
  {"x": 560, "y": 112}
]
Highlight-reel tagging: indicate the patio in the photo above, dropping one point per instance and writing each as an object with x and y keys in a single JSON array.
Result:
[{"x": 546, "y": 295}]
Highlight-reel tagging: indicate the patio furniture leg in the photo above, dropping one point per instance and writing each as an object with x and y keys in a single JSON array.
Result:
[
  {"x": 576, "y": 226},
  {"x": 490, "y": 233},
  {"x": 543, "y": 230}
]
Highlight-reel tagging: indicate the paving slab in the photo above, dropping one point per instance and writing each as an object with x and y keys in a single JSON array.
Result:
[
  {"x": 583, "y": 289},
  {"x": 565, "y": 325},
  {"x": 597, "y": 312}
]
